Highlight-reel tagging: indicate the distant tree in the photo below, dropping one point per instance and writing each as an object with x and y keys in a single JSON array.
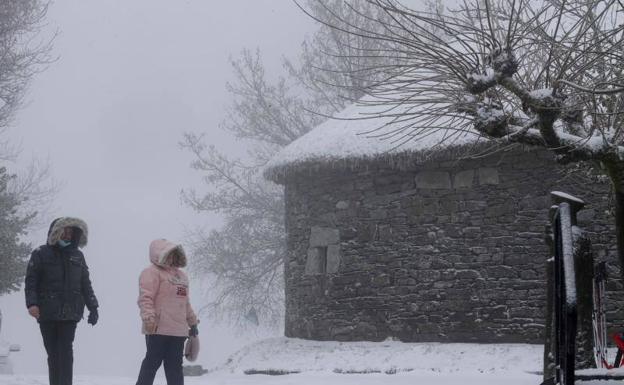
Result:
[
  {"x": 13, "y": 251},
  {"x": 240, "y": 260},
  {"x": 244, "y": 258},
  {"x": 22, "y": 55}
]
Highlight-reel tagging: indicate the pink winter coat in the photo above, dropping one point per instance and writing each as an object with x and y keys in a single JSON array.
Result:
[{"x": 164, "y": 292}]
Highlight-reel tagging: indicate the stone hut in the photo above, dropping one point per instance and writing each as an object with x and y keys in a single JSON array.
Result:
[{"x": 421, "y": 242}]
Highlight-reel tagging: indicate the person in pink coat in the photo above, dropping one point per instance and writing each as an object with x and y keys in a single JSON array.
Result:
[{"x": 166, "y": 312}]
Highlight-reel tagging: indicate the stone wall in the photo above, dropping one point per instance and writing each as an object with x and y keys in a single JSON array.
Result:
[{"x": 447, "y": 251}]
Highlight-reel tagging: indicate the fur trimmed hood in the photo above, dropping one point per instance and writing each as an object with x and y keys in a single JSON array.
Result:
[
  {"x": 160, "y": 249},
  {"x": 56, "y": 230}
]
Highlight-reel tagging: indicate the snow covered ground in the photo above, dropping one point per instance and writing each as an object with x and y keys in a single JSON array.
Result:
[
  {"x": 292, "y": 355},
  {"x": 362, "y": 363},
  {"x": 299, "y": 379}
]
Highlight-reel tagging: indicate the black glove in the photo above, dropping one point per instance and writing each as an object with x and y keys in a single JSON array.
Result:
[
  {"x": 193, "y": 332},
  {"x": 93, "y": 317}
]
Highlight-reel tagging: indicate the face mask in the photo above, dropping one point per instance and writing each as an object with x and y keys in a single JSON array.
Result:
[{"x": 64, "y": 243}]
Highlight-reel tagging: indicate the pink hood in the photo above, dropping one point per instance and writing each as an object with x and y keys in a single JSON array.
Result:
[{"x": 159, "y": 250}]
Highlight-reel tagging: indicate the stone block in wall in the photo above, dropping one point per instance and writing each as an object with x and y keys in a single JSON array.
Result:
[
  {"x": 333, "y": 258},
  {"x": 479, "y": 250},
  {"x": 342, "y": 205},
  {"x": 388, "y": 179},
  {"x": 384, "y": 233},
  {"x": 327, "y": 218},
  {"x": 381, "y": 280},
  {"x": 502, "y": 272},
  {"x": 467, "y": 274},
  {"x": 497, "y": 312},
  {"x": 365, "y": 331},
  {"x": 379, "y": 214},
  {"x": 463, "y": 179},
  {"x": 472, "y": 231},
  {"x": 475, "y": 205},
  {"x": 534, "y": 202},
  {"x": 349, "y": 233},
  {"x": 433, "y": 180},
  {"x": 315, "y": 262},
  {"x": 488, "y": 176},
  {"x": 341, "y": 333},
  {"x": 586, "y": 216},
  {"x": 324, "y": 236},
  {"x": 498, "y": 210},
  {"x": 366, "y": 232}
]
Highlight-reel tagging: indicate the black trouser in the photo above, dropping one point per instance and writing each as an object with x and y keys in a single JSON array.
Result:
[
  {"x": 162, "y": 349},
  {"x": 58, "y": 339}
]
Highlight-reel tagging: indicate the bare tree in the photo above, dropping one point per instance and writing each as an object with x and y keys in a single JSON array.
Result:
[
  {"x": 37, "y": 189},
  {"x": 240, "y": 260},
  {"x": 244, "y": 258},
  {"x": 22, "y": 51},
  {"x": 546, "y": 73}
]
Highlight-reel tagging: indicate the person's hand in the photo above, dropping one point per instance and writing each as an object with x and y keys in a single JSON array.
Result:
[
  {"x": 149, "y": 325},
  {"x": 193, "y": 332},
  {"x": 93, "y": 317},
  {"x": 34, "y": 311}
]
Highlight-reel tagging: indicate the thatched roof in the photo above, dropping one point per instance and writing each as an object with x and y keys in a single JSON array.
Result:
[{"x": 357, "y": 135}]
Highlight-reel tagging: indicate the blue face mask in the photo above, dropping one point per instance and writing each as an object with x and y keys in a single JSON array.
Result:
[{"x": 64, "y": 243}]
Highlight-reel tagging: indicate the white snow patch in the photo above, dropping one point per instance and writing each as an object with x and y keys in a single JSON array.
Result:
[
  {"x": 542, "y": 93},
  {"x": 566, "y": 196},
  {"x": 329, "y": 363},
  {"x": 488, "y": 77},
  {"x": 593, "y": 143},
  {"x": 305, "y": 379},
  {"x": 567, "y": 249},
  {"x": 298, "y": 355}
]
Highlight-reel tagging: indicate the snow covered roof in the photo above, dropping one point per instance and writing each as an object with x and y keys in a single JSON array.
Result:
[{"x": 358, "y": 133}]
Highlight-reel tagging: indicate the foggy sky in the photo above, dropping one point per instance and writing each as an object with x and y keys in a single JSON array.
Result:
[{"x": 130, "y": 79}]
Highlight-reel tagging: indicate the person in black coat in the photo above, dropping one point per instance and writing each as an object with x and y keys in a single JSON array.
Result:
[{"x": 57, "y": 289}]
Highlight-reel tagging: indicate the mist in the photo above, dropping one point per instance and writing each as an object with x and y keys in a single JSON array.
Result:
[{"x": 130, "y": 77}]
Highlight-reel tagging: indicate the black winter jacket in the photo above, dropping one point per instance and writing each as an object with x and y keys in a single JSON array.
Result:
[{"x": 57, "y": 280}]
